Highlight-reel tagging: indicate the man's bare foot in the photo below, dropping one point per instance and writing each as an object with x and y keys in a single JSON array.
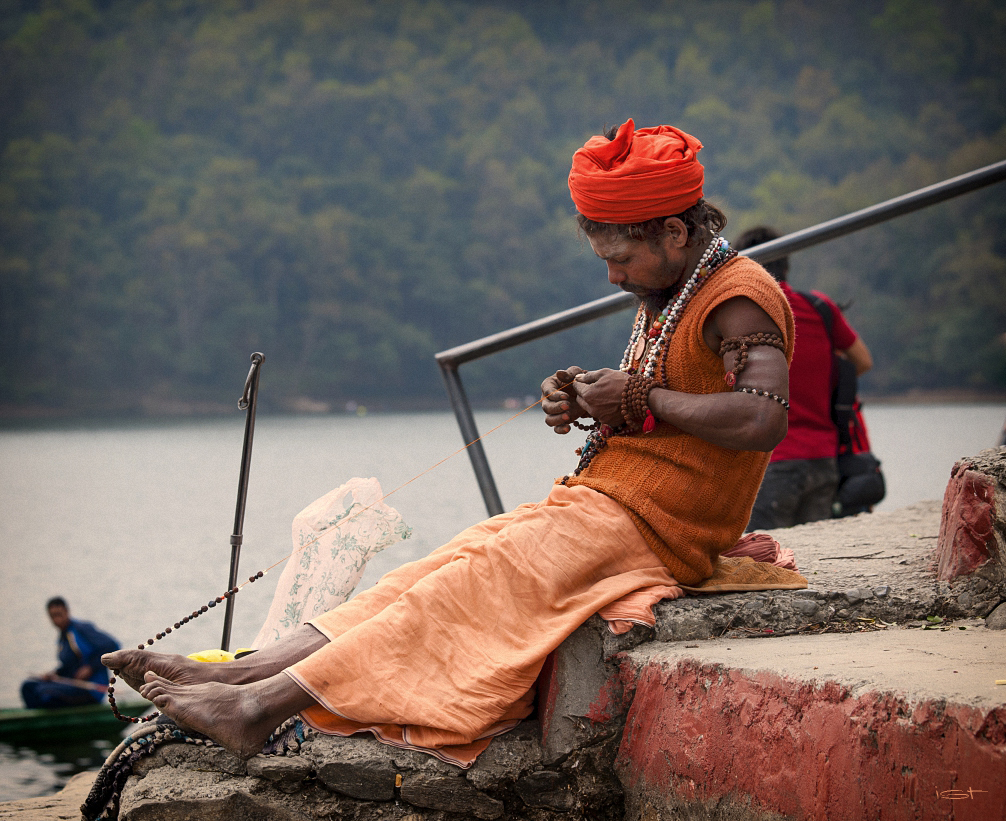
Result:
[
  {"x": 239, "y": 718},
  {"x": 132, "y": 664}
]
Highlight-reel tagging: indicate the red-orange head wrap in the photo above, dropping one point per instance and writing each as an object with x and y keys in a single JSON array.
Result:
[{"x": 639, "y": 175}]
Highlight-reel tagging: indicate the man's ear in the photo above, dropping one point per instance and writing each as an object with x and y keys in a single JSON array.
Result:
[{"x": 675, "y": 232}]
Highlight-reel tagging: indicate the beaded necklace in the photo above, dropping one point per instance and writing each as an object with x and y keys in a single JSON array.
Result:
[{"x": 716, "y": 254}]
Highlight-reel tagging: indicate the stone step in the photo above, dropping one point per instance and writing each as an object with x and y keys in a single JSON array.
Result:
[{"x": 898, "y": 723}]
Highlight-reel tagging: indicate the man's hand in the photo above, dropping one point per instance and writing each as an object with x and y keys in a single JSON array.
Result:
[
  {"x": 600, "y": 395},
  {"x": 560, "y": 401},
  {"x": 83, "y": 673}
]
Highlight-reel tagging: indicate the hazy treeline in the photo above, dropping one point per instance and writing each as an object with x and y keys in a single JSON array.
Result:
[{"x": 352, "y": 186}]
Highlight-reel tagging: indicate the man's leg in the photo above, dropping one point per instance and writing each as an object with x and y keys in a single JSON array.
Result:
[
  {"x": 778, "y": 497},
  {"x": 820, "y": 485},
  {"x": 39, "y": 694},
  {"x": 131, "y": 665},
  {"x": 238, "y": 717}
]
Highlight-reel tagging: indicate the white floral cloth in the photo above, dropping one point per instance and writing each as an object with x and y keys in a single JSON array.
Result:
[{"x": 333, "y": 539}]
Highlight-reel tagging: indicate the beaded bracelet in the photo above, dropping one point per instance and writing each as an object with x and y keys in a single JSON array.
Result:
[
  {"x": 635, "y": 408},
  {"x": 773, "y": 396},
  {"x": 741, "y": 344}
]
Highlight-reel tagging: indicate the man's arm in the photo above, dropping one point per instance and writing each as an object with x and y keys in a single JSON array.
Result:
[
  {"x": 739, "y": 421},
  {"x": 859, "y": 355}
]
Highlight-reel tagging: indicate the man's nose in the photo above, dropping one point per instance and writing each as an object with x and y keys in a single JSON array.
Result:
[{"x": 615, "y": 276}]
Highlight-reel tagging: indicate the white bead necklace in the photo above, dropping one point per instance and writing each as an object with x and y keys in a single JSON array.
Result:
[{"x": 672, "y": 312}]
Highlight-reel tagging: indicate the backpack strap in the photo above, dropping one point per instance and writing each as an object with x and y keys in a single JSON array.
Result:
[{"x": 844, "y": 380}]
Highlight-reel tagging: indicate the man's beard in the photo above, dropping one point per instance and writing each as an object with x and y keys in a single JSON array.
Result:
[{"x": 656, "y": 300}]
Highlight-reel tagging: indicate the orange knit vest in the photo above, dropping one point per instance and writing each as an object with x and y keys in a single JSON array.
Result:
[{"x": 689, "y": 498}]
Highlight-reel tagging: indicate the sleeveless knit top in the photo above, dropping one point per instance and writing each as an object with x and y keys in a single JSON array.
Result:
[{"x": 691, "y": 499}]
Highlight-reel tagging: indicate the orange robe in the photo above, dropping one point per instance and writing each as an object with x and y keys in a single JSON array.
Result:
[{"x": 443, "y": 653}]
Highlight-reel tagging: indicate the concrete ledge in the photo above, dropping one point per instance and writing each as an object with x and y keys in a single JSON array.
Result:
[
  {"x": 63, "y": 806},
  {"x": 358, "y": 777},
  {"x": 893, "y": 724}
]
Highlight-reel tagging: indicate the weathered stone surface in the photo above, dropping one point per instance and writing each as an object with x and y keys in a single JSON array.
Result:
[
  {"x": 190, "y": 756},
  {"x": 360, "y": 766},
  {"x": 287, "y": 772},
  {"x": 508, "y": 758},
  {"x": 973, "y": 523},
  {"x": 546, "y": 788},
  {"x": 63, "y": 806},
  {"x": 873, "y": 566},
  {"x": 451, "y": 794},
  {"x": 997, "y": 618},
  {"x": 580, "y": 694},
  {"x": 201, "y": 796}
]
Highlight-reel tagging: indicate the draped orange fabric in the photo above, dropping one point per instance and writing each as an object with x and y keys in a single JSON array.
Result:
[
  {"x": 641, "y": 174},
  {"x": 443, "y": 653}
]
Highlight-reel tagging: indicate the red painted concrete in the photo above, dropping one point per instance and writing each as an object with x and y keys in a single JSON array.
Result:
[
  {"x": 811, "y": 751},
  {"x": 966, "y": 525}
]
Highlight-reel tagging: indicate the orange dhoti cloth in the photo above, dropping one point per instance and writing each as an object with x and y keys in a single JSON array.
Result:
[{"x": 443, "y": 653}]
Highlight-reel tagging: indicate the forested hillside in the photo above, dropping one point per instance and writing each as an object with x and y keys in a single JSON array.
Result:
[{"x": 352, "y": 186}]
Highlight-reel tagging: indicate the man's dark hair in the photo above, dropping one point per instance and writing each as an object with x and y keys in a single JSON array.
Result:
[
  {"x": 701, "y": 217},
  {"x": 56, "y": 601},
  {"x": 779, "y": 268}
]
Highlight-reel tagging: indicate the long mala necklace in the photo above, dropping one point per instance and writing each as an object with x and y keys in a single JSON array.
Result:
[
  {"x": 658, "y": 333},
  {"x": 255, "y": 577}
]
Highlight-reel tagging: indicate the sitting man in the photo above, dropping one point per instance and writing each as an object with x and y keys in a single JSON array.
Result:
[
  {"x": 80, "y": 679},
  {"x": 443, "y": 653}
]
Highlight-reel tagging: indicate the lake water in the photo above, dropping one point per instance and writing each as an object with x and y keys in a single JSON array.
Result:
[{"x": 131, "y": 523}]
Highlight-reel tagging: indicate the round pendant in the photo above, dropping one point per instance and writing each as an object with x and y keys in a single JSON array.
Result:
[{"x": 638, "y": 348}]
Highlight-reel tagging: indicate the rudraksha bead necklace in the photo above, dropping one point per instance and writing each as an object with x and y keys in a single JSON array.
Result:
[
  {"x": 716, "y": 254},
  {"x": 167, "y": 631}
]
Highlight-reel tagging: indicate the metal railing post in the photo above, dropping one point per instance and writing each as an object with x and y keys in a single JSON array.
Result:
[{"x": 470, "y": 435}]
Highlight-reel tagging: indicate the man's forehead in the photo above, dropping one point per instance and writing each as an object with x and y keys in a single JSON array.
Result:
[{"x": 607, "y": 247}]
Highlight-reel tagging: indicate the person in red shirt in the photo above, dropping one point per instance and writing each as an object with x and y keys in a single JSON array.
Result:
[{"x": 802, "y": 476}]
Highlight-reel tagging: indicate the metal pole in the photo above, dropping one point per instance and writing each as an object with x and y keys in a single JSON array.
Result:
[
  {"x": 247, "y": 403},
  {"x": 470, "y": 433},
  {"x": 881, "y": 212}
]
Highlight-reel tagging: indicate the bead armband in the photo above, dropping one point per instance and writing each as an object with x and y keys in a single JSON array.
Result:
[
  {"x": 773, "y": 396},
  {"x": 741, "y": 344}
]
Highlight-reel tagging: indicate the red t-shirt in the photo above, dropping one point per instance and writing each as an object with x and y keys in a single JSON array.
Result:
[{"x": 812, "y": 434}]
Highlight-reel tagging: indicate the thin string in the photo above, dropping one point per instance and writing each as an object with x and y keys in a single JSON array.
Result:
[
  {"x": 255, "y": 577},
  {"x": 405, "y": 484}
]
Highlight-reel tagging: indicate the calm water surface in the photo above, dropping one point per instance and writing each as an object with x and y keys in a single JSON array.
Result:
[{"x": 132, "y": 523}]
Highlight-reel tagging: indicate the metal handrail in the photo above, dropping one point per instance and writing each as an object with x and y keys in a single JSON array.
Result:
[{"x": 452, "y": 358}]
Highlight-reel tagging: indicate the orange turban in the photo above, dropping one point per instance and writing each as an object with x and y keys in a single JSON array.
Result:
[{"x": 652, "y": 172}]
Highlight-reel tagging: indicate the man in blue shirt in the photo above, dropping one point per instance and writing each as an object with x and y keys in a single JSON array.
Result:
[{"x": 80, "y": 678}]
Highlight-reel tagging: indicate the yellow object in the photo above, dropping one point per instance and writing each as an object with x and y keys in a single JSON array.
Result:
[{"x": 215, "y": 655}]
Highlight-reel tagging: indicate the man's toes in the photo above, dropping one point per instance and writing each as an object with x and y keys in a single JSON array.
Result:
[{"x": 151, "y": 689}]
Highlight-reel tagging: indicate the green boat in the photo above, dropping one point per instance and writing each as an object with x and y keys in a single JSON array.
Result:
[{"x": 65, "y": 723}]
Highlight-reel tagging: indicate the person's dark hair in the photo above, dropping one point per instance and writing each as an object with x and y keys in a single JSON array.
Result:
[
  {"x": 701, "y": 217},
  {"x": 56, "y": 601},
  {"x": 779, "y": 268}
]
